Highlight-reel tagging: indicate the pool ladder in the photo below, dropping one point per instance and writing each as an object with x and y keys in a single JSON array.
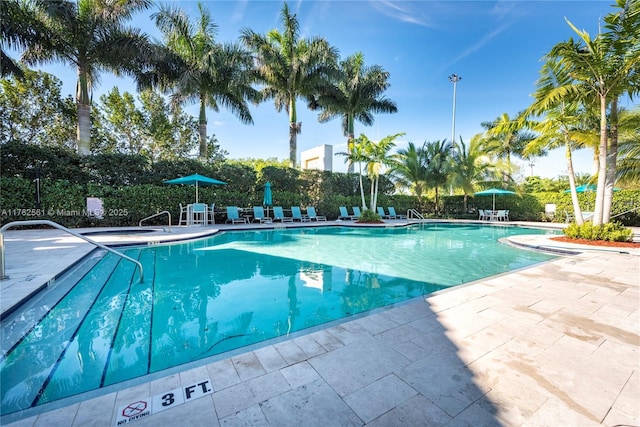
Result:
[
  {"x": 412, "y": 213},
  {"x": 59, "y": 227}
]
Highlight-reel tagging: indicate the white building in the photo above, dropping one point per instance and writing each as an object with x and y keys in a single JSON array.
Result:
[{"x": 320, "y": 158}]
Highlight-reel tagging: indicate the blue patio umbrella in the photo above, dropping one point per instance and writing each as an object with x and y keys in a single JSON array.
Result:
[
  {"x": 267, "y": 198},
  {"x": 493, "y": 192},
  {"x": 197, "y": 180},
  {"x": 586, "y": 188}
]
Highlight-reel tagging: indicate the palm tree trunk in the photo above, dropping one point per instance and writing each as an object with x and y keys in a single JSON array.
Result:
[
  {"x": 84, "y": 113},
  {"x": 294, "y": 130},
  {"x": 361, "y": 185},
  {"x": 612, "y": 157},
  {"x": 602, "y": 166},
  {"x": 577, "y": 212},
  {"x": 350, "y": 137},
  {"x": 202, "y": 129}
]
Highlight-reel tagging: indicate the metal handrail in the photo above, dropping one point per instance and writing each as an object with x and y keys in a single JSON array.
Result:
[
  {"x": 412, "y": 212},
  {"x": 155, "y": 215},
  {"x": 626, "y": 212},
  {"x": 60, "y": 227}
]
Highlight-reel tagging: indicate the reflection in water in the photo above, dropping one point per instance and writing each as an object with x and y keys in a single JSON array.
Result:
[{"x": 210, "y": 296}]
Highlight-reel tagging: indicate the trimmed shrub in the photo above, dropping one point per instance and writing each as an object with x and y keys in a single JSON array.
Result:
[{"x": 612, "y": 231}]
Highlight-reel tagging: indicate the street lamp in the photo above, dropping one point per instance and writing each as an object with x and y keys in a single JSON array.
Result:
[{"x": 454, "y": 78}]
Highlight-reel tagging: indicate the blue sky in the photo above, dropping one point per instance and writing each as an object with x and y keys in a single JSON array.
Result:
[{"x": 495, "y": 46}]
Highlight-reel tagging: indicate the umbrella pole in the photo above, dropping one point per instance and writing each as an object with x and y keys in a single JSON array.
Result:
[
  {"x": 196, "y": 191},
  {"x": 494, "y": 202}
]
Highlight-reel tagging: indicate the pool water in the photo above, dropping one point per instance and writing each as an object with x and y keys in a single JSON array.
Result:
[{"x": 209, "y": 296}]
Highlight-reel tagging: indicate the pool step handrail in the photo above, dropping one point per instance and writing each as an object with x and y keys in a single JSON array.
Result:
[
  {"x": 412, "y": 213},
  {"x": 65, "y": 229},
  {"x": 155, "y": 215}
]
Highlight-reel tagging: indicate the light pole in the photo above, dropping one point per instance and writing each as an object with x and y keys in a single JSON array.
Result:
[{"x": 454, "y": 78}]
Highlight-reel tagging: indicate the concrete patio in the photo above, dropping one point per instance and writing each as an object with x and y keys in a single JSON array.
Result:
[{"x": 554, "y": 344}]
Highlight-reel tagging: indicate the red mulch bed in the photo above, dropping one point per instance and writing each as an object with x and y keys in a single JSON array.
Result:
[{"x": 597, "y": 242}]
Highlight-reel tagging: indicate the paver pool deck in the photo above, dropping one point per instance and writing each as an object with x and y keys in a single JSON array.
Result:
[{"x": 553, "y": 344}]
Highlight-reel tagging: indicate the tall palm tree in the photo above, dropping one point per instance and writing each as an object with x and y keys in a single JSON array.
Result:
[
  {"x": 357, "y": 94},
  {"x": 607, "y": 66},
  {"x": 563, "y": 116},
  {"x": 291, "y": 67},
  {"x": 409, "y": 169},
  {"x": 439, "y": 165},
  {"x": 471, "y": 166},
  {"x": 91, "y": 36},
  {"x": 358, "y": 155},
  {"x": 17, "y": 30},
  {"x": 206, "y": 72},
  {"x": 378, "y": 157}
]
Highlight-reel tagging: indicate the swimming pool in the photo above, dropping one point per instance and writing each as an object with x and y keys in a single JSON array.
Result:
[{"x": 209, "y": 296}]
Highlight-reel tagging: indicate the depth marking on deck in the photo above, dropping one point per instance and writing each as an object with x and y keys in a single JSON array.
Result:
[{"x": 142, "y": 408}]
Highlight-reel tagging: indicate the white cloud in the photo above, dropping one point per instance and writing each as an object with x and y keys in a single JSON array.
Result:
[{"x": 393, "y": 10}]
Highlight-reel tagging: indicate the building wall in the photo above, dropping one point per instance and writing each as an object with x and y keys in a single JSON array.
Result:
[{"x": 320, "y": 158}]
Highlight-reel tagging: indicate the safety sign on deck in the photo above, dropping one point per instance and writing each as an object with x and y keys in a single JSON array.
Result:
[{"x": 142, "y": 408}]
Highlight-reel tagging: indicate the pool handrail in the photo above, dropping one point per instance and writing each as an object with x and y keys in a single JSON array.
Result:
[
  {"x": 155, "y": 215},
  {"x": 63, "y": 228}
]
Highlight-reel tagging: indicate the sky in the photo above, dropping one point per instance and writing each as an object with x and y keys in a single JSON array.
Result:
[{"x": 495, "y": 47}]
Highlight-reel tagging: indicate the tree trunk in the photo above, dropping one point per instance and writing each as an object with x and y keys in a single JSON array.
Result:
[
  {"x": 84, "y": 113},
  {"x": 361, "y": 186},
  {"x": 202, "y": 129},
  {"x": 612, "y": 157},
  {"x": 577, "y": 212},
  {"x": 294, "y": 130},
  {"x": 350, "y": 142},
  {"x": 602, "y": 160}
]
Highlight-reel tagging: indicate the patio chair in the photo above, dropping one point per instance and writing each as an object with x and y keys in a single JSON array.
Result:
[
  {"x": 356, "y": 212},
  {"x": 278, "y": 215},
  {"x": 344, "y": 214},
  {"x": 182, "y": 219},
  {"x": 233, "y": 216},
  {"x": 258, "y": 215},
  {"x": 212, "y": 212},
  {"x": 482, "y": 215},
  {"x": 382, "y": 214},
  {"x": 501, "y": 215},
  {"x": 392, "y": 212},
  {"x": 296, "y": 213},
  {"x": 311, "y": 213}
]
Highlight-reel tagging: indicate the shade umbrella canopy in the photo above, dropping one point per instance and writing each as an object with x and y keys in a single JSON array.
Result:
[
  {"x": 267, "y": 198},
  {"x": 585, "y": 188},
  {"x": 493, "y": 192},
  {"x": 197, "y": 180}
]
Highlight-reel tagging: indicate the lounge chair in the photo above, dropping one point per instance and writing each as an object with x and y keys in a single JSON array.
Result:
[
  {"x": 356, "y": 212},
  {"x": 311, "y": 213},
  {"x": 258, "y": 215},
  {"x": 382, "y": 214},
  {"x": 344, "y": 214},
  {"x": 392, "y": 212},
  {"x": 278, "y": 215},
  {"x": 233, "y": 216},
  {"x": 296, "y": 213},
  {"x": 212, "y": 213}
]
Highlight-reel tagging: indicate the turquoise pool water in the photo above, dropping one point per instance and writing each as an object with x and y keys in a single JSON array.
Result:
[{"x": 206, "y": 297}]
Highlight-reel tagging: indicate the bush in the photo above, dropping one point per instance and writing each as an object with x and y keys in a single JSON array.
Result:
[
  {"x": 368, "y": 215},
  {"x": 612, "y": 231}
]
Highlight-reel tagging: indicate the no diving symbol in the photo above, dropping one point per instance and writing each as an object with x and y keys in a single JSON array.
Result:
[{"x": 134, "y": 409}]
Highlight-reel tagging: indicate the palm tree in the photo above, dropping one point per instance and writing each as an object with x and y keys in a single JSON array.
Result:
[
  {"x": 91, "y": 36},
  {"x": 291, "y": 67},
  {"x": 439, "y": 165},
  {"x": 358, "y": 155},
  {"x": 409, "y": 169},
  {"x": 206, "y": 72},
  {"x": 628, "y": 169},
  {"x": 377, "y": 154},
  {"x": 356, "y": 96},
  {"x": 503, "y": 140},
  {"x": 16, "y": 31},
  {"x": 607, "y": 66},
  {"x": 470, "y": 166}
]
